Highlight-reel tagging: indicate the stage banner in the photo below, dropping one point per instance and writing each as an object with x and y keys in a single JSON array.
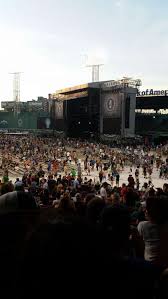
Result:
[
  {"x": 112, "y": 103},
  {"x": 59, "y": 110}
]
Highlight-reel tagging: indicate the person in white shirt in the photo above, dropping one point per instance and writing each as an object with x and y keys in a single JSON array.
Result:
[{"x": 154, "y": 231}]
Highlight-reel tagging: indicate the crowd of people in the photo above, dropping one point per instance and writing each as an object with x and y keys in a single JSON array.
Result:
[{"x": 69, "y": 225}]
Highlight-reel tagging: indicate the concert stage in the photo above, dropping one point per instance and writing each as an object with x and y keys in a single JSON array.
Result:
[{"x": 96, "y": 109}]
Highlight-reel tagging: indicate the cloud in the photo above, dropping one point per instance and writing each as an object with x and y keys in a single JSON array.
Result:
[{"x": 118, "y": 4}]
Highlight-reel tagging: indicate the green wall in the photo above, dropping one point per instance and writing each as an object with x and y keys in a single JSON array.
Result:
[{"x": 24, "y": 120}]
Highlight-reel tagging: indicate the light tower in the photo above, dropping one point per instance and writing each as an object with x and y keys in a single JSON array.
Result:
[
  {"x": 95, "y": 71},
  {"x": 16, "y": 90}
]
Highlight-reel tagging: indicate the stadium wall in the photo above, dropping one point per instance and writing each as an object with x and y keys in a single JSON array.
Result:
[{"x": 25, "y": 121}]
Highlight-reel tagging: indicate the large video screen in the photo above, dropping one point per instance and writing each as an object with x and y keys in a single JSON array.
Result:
[
  {"x": 111, "y": 103},
  {"x": 111, "y": 110}
]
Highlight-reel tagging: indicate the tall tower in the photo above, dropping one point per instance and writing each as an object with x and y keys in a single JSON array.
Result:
[
  {"x": 16, "y": 90},
  {"x": 95, "y": 71}
]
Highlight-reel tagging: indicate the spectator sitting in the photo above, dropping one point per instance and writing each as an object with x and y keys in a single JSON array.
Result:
[
  {"x": 19, "y": 186},
  {"x": 66, "y": 206},
  {"x": 7, "y": 187},
  {"x": 18, "y": 217},
  {"x": 154, "y": 231},
  {"x": 94, "y": 209},
  {"x": 45, "y": 197},
  {"x": 78, "y": 246},
  {"x": 103, "y": 192},
  {"x": 80, "y": 205},
  {"x": 115, "y": 198}
]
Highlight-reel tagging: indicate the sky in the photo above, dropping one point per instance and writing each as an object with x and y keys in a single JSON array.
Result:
[{"x": 51, "y": 42}]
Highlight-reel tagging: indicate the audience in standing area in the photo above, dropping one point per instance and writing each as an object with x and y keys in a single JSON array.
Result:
[{"x": 64, "y": 230}]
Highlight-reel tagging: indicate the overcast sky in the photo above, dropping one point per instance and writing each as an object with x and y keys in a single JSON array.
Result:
[{"x": 49, "y": 41}]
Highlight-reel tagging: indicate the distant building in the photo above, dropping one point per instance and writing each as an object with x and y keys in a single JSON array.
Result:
[
  {"x": 42, "y": 104},
  {"x": 31, "y": 115}
]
